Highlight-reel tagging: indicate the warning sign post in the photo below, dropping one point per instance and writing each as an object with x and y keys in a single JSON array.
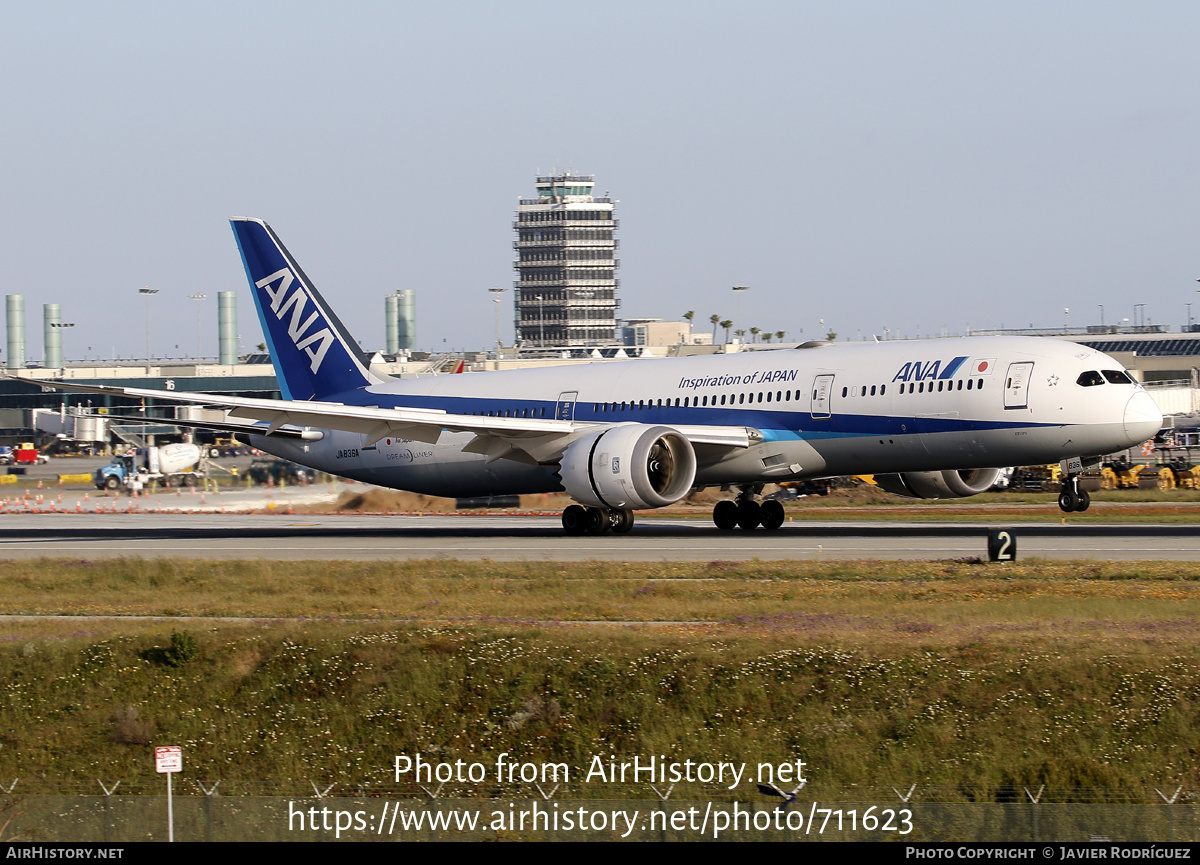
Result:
[{"x": 168, "y": 761}]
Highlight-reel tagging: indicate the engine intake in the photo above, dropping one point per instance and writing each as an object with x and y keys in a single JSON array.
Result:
[
  {"x": 953, "y": 484},
  {"x": 629, "y": 466}
]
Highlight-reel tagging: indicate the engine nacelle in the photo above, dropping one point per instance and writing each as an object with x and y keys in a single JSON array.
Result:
[
  {"x": 629, "y": 466},
  {"x": 953, "y": 484}
]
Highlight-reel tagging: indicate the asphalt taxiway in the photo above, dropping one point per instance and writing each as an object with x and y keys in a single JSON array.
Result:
[{"x": 540, "y": 538}]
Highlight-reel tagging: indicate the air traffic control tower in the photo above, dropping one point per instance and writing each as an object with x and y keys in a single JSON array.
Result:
[{"x": 566, "y": 288}]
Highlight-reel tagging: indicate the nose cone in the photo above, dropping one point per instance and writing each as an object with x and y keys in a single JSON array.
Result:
[{"x": 1142, "y": 417}]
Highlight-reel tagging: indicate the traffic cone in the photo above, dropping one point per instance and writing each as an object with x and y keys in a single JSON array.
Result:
[{"x": 39, "y": 483}]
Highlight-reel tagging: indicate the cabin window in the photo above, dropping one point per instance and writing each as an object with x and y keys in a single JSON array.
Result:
[
  {"x": 845, "y": 391},
  {"x": 872, "y": 390}
]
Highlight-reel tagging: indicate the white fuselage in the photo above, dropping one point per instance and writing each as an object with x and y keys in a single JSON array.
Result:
[{"x": 903, "y": 406}]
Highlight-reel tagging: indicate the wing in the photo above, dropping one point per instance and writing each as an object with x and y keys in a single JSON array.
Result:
[{"x": 539, "y": 440}]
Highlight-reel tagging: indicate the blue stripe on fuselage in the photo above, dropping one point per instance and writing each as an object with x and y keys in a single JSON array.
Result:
[{"x": 775, "y": 425}]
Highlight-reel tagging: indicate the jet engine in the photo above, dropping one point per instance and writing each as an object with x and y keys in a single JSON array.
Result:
[
  {"x": 629, "y": 466},
  {"x": 953, "y": 484}
]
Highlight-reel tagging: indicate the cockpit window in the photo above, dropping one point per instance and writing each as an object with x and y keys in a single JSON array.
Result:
[
  {"x": 1117, "y": 376},
  {"x": 1091, "y": 378}
]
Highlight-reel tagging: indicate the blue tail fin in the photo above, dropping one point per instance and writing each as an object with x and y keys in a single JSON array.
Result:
[{"x": 314, "y": 355}]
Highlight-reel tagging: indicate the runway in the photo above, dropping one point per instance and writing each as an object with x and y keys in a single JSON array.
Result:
[{"x": 525, "y": 538}]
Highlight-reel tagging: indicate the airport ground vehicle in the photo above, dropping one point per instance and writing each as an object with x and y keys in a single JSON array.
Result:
[
  {"x": 27, "y": 454},
  {"x": 268, "y": 470},
  {"x": 170, "y": 465}
]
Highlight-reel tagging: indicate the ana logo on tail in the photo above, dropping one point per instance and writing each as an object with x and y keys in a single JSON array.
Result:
[{"x": 298, "y": 325}]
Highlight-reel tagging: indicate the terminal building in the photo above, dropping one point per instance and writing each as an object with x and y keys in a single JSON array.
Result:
[{"x": 566, "y": 261}]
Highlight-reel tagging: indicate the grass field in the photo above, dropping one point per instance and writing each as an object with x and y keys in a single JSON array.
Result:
[{"x": 968, "y": 678}]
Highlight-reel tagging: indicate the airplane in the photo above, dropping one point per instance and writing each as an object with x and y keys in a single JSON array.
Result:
[{"x": 929, "y": 419}]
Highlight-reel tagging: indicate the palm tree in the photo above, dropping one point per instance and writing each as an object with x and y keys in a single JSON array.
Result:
[
  {"x": 715, "y": 319},
  {"x": 831, "y": 336},
  {"x": 727, "y": 324},
  {"x": 689, "y": 315},
  {"x": 754, "y": 332},
  {"x": 780, "y": 334},
  {"x": 740, "y": 334},
  {"x": 767, "y": 336}
]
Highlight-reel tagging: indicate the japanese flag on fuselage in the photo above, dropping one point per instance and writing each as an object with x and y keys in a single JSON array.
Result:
[{"x": 982, "y": 366}]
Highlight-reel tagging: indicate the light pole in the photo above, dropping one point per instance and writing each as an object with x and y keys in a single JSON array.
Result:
[
  {"x": 147, "y": 292},
  {"x": 198, "y": 298},
  {"x": 1066, "y": 320},
  {"x": 496, "y": 292},
  {"x": 739, "y": 290},
  {"x": 541, "y": 323},
  {"x": 1101, "y": 315}
]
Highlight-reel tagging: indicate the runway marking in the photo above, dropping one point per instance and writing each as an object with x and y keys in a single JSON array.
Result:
[{"x": 1026, "y": 546}]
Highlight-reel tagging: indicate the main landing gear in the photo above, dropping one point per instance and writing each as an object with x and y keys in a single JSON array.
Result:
[
  {"x": 1073, "y": 497},
  {"x": 578, "y": 520},
  {"x": 748, "y": 513}
]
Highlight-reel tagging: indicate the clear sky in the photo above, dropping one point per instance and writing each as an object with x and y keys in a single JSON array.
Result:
[{"x": 917, "y": 166}]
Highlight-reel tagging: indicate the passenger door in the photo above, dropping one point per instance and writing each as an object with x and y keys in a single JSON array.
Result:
[
  {"x": 565, "y": 409},
  {"x": 1016, "y": 384},
  {"x": 822, "y": 393}
]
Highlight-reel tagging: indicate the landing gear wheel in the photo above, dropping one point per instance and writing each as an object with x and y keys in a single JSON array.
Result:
[
  {"x": 595, "y": 521},
  {"x": 621, "y": 520},
  {"x": 749, "y": 514},
  {"x": 1067, "y": 500},
  {"x": 725, "y": 515},
  {"x": 771, "y": 514},
  {"x": 573, "y": 519},
  {"x": 1085, "y": 501}
]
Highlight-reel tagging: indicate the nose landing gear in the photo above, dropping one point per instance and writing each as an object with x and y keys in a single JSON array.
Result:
[
  {"x": 1073, "y": 498},
  {"x": 748, "y": 513}
]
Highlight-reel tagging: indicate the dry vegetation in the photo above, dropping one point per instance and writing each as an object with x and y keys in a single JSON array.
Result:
[{"x": 965, "y": 677}]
